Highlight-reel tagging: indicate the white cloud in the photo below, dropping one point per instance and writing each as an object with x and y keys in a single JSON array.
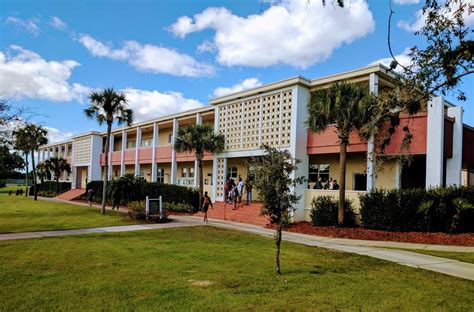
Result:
[
  {"x": 403, "y": 2},
  {"x": 292, "y": 32},
  {"x": 206, "y": 46},
  {"x": 57, "y": 23},
  {"x": 28, "y": 25},
  {"x": 149, "y": 58},
  {"x": 24, "y": 73},
  {"x": 420, "y": 18},
  {"x": 402, "y": 58},
  {"x": 55, "y": 135},
  {"x": 246, "y": 84},
  {"x": 151, "y": 104}
]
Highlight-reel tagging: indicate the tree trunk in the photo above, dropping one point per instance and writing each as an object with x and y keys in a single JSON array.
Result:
[
  {"x": 57, "y": 183},
  {"x": 278, "y": 245},
  {"x": 342, "y": 181},
  {"x": 26, "y": 176},
  {"x": 34, "y": 175},
  {"x": 201, "y": 182},
  {"x": 106, "y": 164}
]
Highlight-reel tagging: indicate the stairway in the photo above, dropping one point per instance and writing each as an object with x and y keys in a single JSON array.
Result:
[
  {"x": 71, "y": 194},
  {"x": 244, "y": 214}
]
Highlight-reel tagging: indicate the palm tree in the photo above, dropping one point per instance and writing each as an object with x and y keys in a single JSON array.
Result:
[
  {"x": 57, "y": 166},
  {"x": 42, "y": 171},
  {"x": 345, "y": 106},
  {"x": 37, "y": 137},
  {"x": 199, "y": 139},
  {"x": 22, "y": 143},
  {"x": 108, "y": 106}
]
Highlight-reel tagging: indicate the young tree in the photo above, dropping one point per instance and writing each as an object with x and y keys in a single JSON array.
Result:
[
  {"x": 199, "y": 139},
  {"x": 108, "y": 106},
  {"x": 37, "y": 137},
  {"x": 345, "y": 106},
  {"x": 274, "y": 179},
  {"x": 57, "y": 165}
]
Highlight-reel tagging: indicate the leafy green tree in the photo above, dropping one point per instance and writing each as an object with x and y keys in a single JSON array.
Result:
[
  {"x": 9, "y": 162},
  {"x": 274, "y": 173},
  {"x": 199, "y": 139},
  {"x": 42, "y": 172},
  {"x": 108, "y": 106},
  {"x": 345, "y": 106},
  {"x": 57, "y": 166}
]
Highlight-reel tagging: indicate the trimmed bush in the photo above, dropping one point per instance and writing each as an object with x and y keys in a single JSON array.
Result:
[
  {"x": 324, "y": 211},
  {"x": 50, "y": 187},
  {"x": 439, "y": 209},
  {"x": 178, "y": 207}
]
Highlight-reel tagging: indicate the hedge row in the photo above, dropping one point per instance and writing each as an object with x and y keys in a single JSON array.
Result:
[
  {"x": 324, "y": 211},
  {"x": 440, "y": 209},
  {"x": 50, "y": 187},
  {"x": 138, "y": 190}
]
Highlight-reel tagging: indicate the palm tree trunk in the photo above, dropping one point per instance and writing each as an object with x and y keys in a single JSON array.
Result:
[
  {"x": 278, "y": 247},
  {"x": 106, "y": 164},
  {"x": 34, "y": 175},
  {"x": 201, "y": 182},
  {"x": 342, "y": 181},
  {"x": 26, "y": 176}
]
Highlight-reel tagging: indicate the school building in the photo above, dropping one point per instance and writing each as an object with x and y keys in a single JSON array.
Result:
[{"x": 274, "y": 114}]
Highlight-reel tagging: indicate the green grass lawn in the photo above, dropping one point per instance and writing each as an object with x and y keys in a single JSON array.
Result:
[
  {"x": 6, "y": 189},
  {"x": 23, "y": 214},
  {"x": 209, "y": 269}
]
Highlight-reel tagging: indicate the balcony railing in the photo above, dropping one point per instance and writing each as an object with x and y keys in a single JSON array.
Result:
[{"x": 186, "y": 181}]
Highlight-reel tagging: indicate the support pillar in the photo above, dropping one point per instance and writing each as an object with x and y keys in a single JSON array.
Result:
[
  {"x": 111, "y": 151},
  {"x": 174, "y": 167},
  {"x": 454, "y": 164},
  {"x": 153, "y": 153},
  {"x": 435, "y": 143},
  {"x": 137, "y": 151},
  {"x": 196, "y": 165},
  {"x": 373, "y": 89},
  {"x": 122, "y": 154}
]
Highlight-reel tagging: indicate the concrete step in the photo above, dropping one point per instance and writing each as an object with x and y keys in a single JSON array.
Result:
[{"x": 71, "y": 194}]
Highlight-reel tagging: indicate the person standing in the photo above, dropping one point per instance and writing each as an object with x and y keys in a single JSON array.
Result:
[
  {"x": 248, "y": 189},
  {"x": 90, "y": 196},
  {"x": 206, "y": 202},
  {"x": 226, "y": 190},
  {"x": 240, "y": 189}
]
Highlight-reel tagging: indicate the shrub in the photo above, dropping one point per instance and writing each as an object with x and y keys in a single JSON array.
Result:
[
  {"x": 178, "y": 207},
  {"x": 2, "y": 183},
  {"x": 324, "y": 210},
  {"x": 138, "y": 211},
  {"x": 50, "y": 187},
  {"x": 439, "y": 209}
]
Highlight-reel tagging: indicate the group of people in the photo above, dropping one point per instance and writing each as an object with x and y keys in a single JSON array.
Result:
[
  {"x": 18, "y": 192},
  {"x": 233, "y": 192},
  {"x": 326, "y": 185}
]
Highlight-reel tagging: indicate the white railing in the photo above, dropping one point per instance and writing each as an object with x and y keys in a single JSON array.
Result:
[{"x": 186, "y": 181}]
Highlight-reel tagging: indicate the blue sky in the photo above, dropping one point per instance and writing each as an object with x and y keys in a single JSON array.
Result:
[{"x": 169, "y": 56}]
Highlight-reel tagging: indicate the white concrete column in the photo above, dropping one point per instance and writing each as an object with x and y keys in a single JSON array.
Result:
[
  {"x": 435, "y": 143},
  {"x": 137, "y": 151},
  {"x": 174, "y": 166},
  {"x": 73, "y": 168},
  {"x": 298, "y": 143},
  {"x": 373, "y": 89},
  {"x": 66, "y": 149},
  {"x": 122, "y": 153},
  {"x": 111, "y": 150},
  {"x": 214, "y": 160},
  {"x": 454, "y": 164},
  {"x": 60, "y": 152},
  {"x": 153, "y": 152},
  {"x": 398, "y": 173},
  {"x": 196, "y": 165}
]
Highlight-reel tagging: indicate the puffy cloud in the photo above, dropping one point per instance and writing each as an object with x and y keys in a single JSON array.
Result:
[
  {"x": 149, "y": 58},
  {"x": 28, "y": 25},
  {"x": 420, "y": 18},
  {"x": 26, "y": 74},
  {"x": 55, "y": 135},
  {"x": 206, "y": 46},
  {"x": 57, "y": 23},
  {"x": 403, "y": 2},
  {"x": 402, "y": 58},
  {"x": 246, "y": 84},
  {"x": 292, "y": 32},
  {"x": 152, "y": 104}
]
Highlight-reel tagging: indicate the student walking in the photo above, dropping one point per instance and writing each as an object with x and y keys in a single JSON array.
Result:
[
  {"x": 240, "y": 189},
  {"x": 90, "y": 196},
  {"x": 206, "y": 202},
  {"x": 248, "y": 189}
]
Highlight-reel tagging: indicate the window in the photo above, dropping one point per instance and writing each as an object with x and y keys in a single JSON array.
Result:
[
  {"x": 184, "y": 172},
  {"x": 147, "y": 142},
  {"x": 160, "y": 175},
  {"x": 360, "y": 182},
  {"x": 318, "y": 171},
  {"x": 232, "y": 172},
  {"x": 131, "y": 144},
  {"x": 170, "y": 138},
  {"x": 191, "y": 172}
]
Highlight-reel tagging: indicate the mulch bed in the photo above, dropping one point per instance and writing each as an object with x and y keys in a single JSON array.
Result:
[{"x": 466, "y": 239}]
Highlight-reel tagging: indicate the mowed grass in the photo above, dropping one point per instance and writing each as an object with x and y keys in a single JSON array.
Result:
[
  {"x": 209, "y": 269},
  {"x": 23, "y": 214}
]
